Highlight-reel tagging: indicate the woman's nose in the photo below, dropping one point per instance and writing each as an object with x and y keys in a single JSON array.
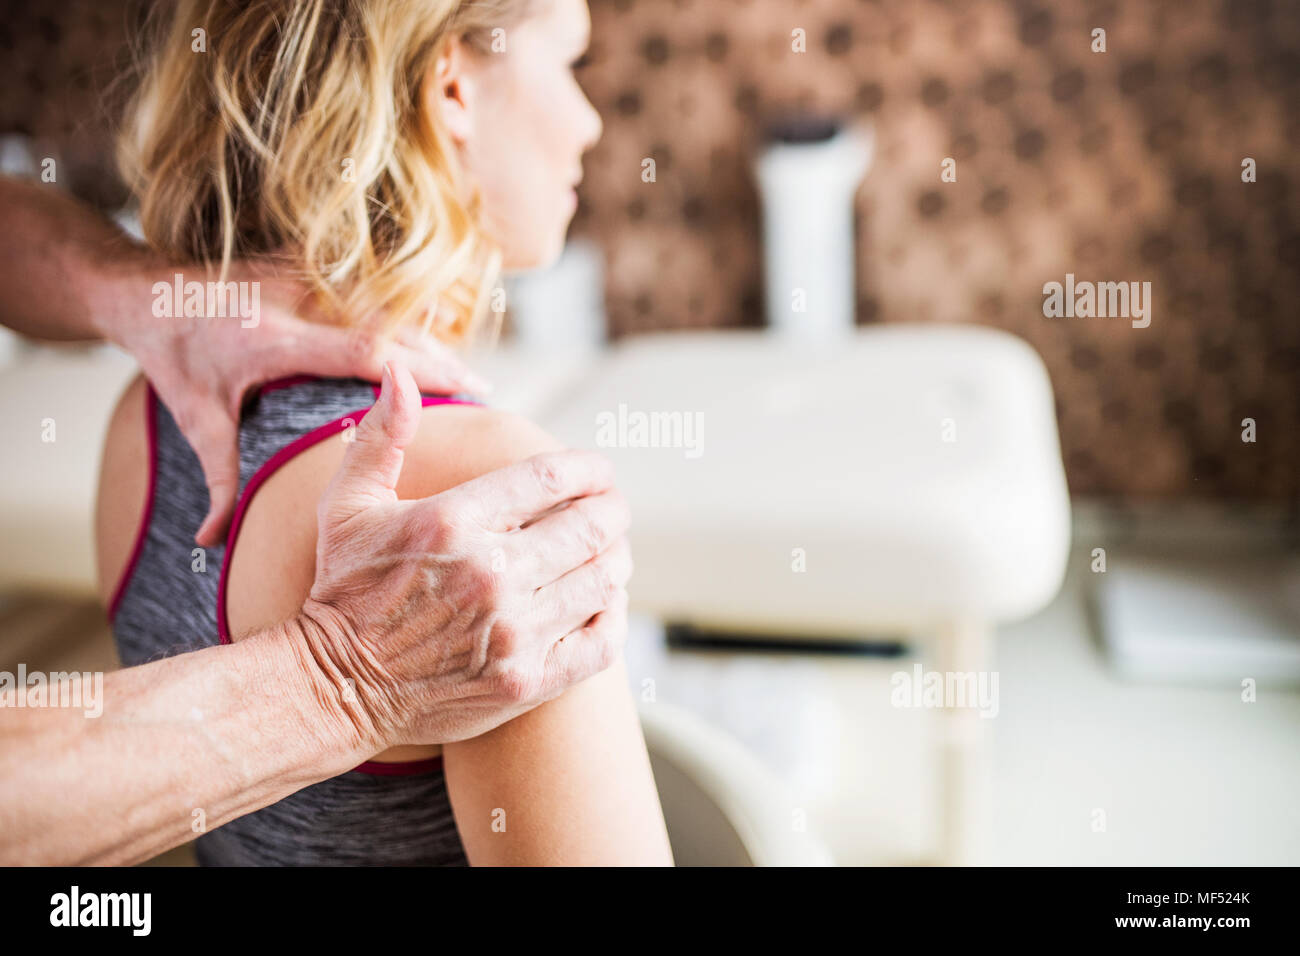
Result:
[{"x": 593, "y": 128}]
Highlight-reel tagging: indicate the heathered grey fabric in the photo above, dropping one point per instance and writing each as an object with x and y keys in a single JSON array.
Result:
[{"x": 168, "y": 608}]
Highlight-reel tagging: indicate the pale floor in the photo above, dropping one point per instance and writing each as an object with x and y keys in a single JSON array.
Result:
[
  {"x": 1184, "y": 776},
  {"x": 1087, "y": 769}
]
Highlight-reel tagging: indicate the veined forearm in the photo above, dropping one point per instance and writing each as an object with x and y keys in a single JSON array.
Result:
[
  {"x": 57, "y": 260},
  {"x": 183, "y": 745}
]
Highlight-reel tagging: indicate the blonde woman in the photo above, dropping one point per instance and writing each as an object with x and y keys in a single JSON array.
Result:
[{"x": 396, "y": 155}]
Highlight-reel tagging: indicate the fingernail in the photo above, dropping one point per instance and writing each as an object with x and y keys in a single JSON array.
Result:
[{"x": 386, "y": 387}]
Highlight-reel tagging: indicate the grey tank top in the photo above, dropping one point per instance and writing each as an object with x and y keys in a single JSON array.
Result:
[{"x": 171, "y": 600}]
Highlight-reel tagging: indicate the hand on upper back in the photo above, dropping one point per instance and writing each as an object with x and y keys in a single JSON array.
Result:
[
  {"x": 202, "y": 368},
  {"x": 445, "y": 614}
]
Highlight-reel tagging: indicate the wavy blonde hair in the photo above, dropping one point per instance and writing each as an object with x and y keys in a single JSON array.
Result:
[{"x": 300, "y": 132}]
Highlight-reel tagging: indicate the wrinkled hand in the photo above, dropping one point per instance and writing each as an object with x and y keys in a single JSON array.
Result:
[
  {"x": 436, "y": 620},
  {"x": 203, "y": 368}
]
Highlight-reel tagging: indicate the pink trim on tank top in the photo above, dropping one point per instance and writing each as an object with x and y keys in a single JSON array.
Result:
[
  {"x": 270, "y": 467},
  {"x": 287, "y": 382},
  {"x": 146, "y": 517}
]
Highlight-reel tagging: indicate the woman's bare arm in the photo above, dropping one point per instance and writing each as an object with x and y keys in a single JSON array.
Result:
[{"x": 567, "y": 784}]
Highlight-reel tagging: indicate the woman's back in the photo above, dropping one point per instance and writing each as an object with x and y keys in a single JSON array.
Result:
[{"x": 171, "y": 599}]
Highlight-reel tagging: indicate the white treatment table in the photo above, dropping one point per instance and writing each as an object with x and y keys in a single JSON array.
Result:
[{"x": 915, "y": 471}]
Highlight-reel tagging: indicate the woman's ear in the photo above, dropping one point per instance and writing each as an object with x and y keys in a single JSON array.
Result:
[{"x": 448, "y": 91}]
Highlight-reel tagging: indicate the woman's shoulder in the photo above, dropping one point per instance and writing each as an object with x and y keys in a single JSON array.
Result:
[
  {"x": 276, "y": 538},
  {"x": 123, "y": 486},
  {"x": 459, "y": 437},
  {"x": 456, "y": 431},
  {"x": 128, "y": 415},
  {"x": 458, "y": 443}
]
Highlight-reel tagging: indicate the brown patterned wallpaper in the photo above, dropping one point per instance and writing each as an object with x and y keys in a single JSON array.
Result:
[{"x": 1115, "y": 166}]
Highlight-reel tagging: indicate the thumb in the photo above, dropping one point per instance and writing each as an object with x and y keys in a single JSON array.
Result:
[
  {"x": 373, "y": 463},
  {"x": 219, "y": 457}
]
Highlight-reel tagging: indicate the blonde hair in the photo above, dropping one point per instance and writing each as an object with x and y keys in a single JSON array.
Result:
[{"x": 301, "y": 132}]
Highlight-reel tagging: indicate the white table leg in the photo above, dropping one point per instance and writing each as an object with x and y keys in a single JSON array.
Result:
[{"x": 965, "y": 776}]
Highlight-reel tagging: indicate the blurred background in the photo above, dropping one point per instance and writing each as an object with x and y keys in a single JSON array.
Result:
[{"x": 901, "y": 460}]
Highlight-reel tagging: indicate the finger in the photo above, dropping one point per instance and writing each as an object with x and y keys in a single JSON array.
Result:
[
  {"x": 373, "y": 461},
  {"x": 328, "y": 351},
  {"x": 588, "y": 650},
  {"x": 504, "y": 499},
  {"x": 557, "y": 543},
  {"x": 218, "y": 453},
  {"x": 300, "y": 346},
  {"x": 586, "y": 591},
  {"x": 435, "y": 366}
]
